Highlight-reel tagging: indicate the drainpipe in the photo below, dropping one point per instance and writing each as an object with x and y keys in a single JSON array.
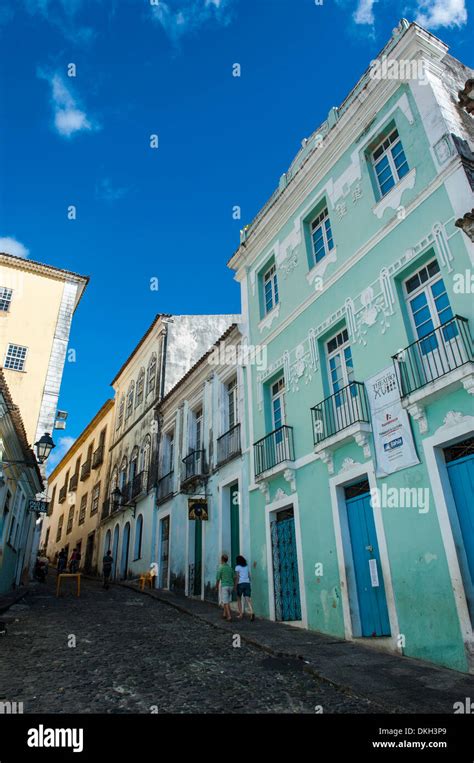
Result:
[{"x": 163, "y": 351}]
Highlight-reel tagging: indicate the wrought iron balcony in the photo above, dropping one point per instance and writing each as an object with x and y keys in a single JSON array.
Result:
[
  {"x": 228, "y": 445},
  {"x": 193, "y": 465},
  {"x": 339, "y": 411},
  {"x": 106, "y": 508},
  {"x": 85, "y": 469},
  {"x": 138, "y": 485},
  {"x": 274, "y": 449},
  {"x": 98, "y": 457},
  {"x": 165, "y": 486},
  {"x": 442, "y": 350},
  {"x": 73, "y": 482},
  {"x": 62, "y": 494}
]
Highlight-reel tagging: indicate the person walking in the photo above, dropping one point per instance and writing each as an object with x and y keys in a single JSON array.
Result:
[
  {"x": 107, "y": 563},
  {"x": 225, "y": 577},
  {"x": 74, "y": 562},
  {"x": 244, "y": 591},
  {"x": 62, "y": 561}
]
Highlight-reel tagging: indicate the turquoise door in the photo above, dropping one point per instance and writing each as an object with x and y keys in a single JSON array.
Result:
[
  {"x": 372, "y": 602},
  {"x": 461, "y": 477},
  {"x": 197, "y": 572},
  {"x": 125, "y": 550},
  {"x": 286, "y": 584}
]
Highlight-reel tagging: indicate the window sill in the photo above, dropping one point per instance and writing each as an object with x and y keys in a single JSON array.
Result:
[
  {"x": 392, "y": 199},
  {"x": 266, "y": 322},
  {"x": 318, "y": 270}
]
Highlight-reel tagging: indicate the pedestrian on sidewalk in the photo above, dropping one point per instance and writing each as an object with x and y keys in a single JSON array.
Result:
[
  {"x": 107, "y": 563},
  {"x": 62, "y": 561},
  {"x": 225, "y": 577},
  {"x": 244, "y": 591},
  {"x": 74, "y": 562}
]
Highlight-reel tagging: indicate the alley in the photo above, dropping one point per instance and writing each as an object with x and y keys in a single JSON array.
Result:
[{"x": 134, "y": 654}]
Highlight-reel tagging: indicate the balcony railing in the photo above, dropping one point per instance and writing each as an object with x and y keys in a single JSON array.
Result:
[
  {"x": 433, "y": 356},
  {"x": 73, "y": 482},
  {"x": 138, "y": 485},
  {"x": 193, "y": 465},
  {"x": 228, "y": 445},
  {"x": 340, "y": 410},
  {"x": 62, "y": 494},
  {"x": 98, "y": 457},
  {"x": 165, "y": 486},
  {"x": 274, "y": 449},
  {"x": 85, "y": 469}
]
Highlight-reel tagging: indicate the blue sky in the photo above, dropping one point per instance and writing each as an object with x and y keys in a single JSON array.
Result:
[{"x": 143, "y": 68}]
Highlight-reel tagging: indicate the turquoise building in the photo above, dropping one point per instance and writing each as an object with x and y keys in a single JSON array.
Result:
[{"x": 357, "y": 282}]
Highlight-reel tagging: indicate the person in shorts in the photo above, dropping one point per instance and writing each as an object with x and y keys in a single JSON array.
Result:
[
  {"x": 225, "y": 577},
  {"x": 244, "y": 591}
]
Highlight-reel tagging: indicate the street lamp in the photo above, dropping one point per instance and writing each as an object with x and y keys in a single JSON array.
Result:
[
  {"x": 44, "y": 447},
  {"x": 116, "y": 496}
]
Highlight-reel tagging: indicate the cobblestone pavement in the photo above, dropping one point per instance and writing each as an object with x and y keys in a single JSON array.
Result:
[{"x": 135, "y": 654}]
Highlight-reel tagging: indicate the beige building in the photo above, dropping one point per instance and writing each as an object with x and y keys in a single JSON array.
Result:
[
  {"x": 37, "y": 303},
  {"x": 77, "y": 487}
]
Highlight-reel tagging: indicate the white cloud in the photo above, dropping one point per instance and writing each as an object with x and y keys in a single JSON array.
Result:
[
  {"x": 364, "y": 13},
  {"x": 106, "y": 191},
  {"x": 69, "y": 118},
  {"x": 58, "y": 453},
  {"x": 441, "y": 13},
  {"x": 179, "y": 17},
  {"x": 10, "y": 245},
  {"x": 63, "y": 15}
]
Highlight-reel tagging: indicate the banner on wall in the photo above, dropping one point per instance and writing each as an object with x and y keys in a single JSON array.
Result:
[{"x": 394, "y": 444}]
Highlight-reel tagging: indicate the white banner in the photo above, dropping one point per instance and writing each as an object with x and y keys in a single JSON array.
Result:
[{"x": 394, "y": 445}]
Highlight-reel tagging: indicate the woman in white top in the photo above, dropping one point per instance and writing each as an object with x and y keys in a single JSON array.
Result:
[{"x": 244, "y": 591}]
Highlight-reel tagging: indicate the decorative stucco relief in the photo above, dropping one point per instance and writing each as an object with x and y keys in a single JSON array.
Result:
[{"x": 393, "y": 198}]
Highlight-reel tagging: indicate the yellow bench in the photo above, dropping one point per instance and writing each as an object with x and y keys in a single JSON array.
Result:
[
  {"x": 146, "y": 578},
  {"x": 62, "y": 575}
]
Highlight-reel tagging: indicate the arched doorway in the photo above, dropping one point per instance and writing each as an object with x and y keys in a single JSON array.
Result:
[
  {"x": 115, "y": 550},
  {"x": 125, "y": 550}
]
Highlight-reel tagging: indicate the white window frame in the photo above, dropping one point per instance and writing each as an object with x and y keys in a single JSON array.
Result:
[
  {"x": 387, "y": 151},
  {"x": 23, "y": 359},
  {"x": 6, "y": 295},
  {"x": 270, "y": 275},
  {"x": 280, "y": 394},
  {"x": 339, "y": 350},
  {"x": 314, "y": 225}
]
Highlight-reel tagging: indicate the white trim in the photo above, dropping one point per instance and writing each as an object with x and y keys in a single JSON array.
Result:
[
  {"x": 456, "y": 427},
  {"x": 271, "y": 508},
  {"x": 338, "y": 504}
]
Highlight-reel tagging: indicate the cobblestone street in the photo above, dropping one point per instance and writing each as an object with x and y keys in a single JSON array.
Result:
[{"x": 134, "y": 653}]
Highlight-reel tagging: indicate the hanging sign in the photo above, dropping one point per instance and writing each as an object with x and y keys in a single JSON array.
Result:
[
  {"x": 394, "y": 444},
  {"x": 40, "y": 507},
  {"x": 197, "y": 509}
]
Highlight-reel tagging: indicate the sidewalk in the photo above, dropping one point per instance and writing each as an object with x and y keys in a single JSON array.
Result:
[
  {"x": 397, "y": 684},
  {"x": 12, "y": 597}
]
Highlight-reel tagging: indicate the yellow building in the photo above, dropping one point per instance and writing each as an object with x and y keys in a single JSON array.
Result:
[
  {"x": 77, "y": 487},
  {"x": 37, "y": 303}
]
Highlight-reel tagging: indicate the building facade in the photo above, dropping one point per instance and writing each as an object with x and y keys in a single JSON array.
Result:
[
  {"x": 76, "y": 488},
  {"x": 357, "y": 281},
  {"x": 20, "y": 482},
  {"x": 168, "y": 349},
  {"x": 37, "y": 304},
  {"x": 202, "y": 494}
]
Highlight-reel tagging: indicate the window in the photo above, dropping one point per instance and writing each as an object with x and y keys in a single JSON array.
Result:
[
  {"x": 130, "y": 396},
  {"x": 51, "y": 503},
  {"x": 120, "y": 413},
  {"x": 60, "y": 528},
  {"x": 140, "y": 387},
  {"x": 278, "y": 403},
  {"x": 270, "y": 288},
  {"x": 198, "y": 429},
  {"x": 145, "y": 454},
  {"x": 17, "y": 516},
  {"x": 429, "y": 306},
  {"x": 232, "y": 403},
  {"x": 339, "y": 358},
  {"x": 321, "y": 236},
  {"x": 15, "y": 357},
  {"x": 82, "y": 509},
  {"x": 5, "y": 299},
  {"x": 389, "y": 162},
  {"x": 123, "y": 474},
  {"x": 70, "y": 519},
  {"x": 95, "y": 499},
  {"x": 151, "y": 376},
  {"x": 138, "y": 537},
  {"x": 133, "y": 471},
  {"x": 168, "y": 453}
]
